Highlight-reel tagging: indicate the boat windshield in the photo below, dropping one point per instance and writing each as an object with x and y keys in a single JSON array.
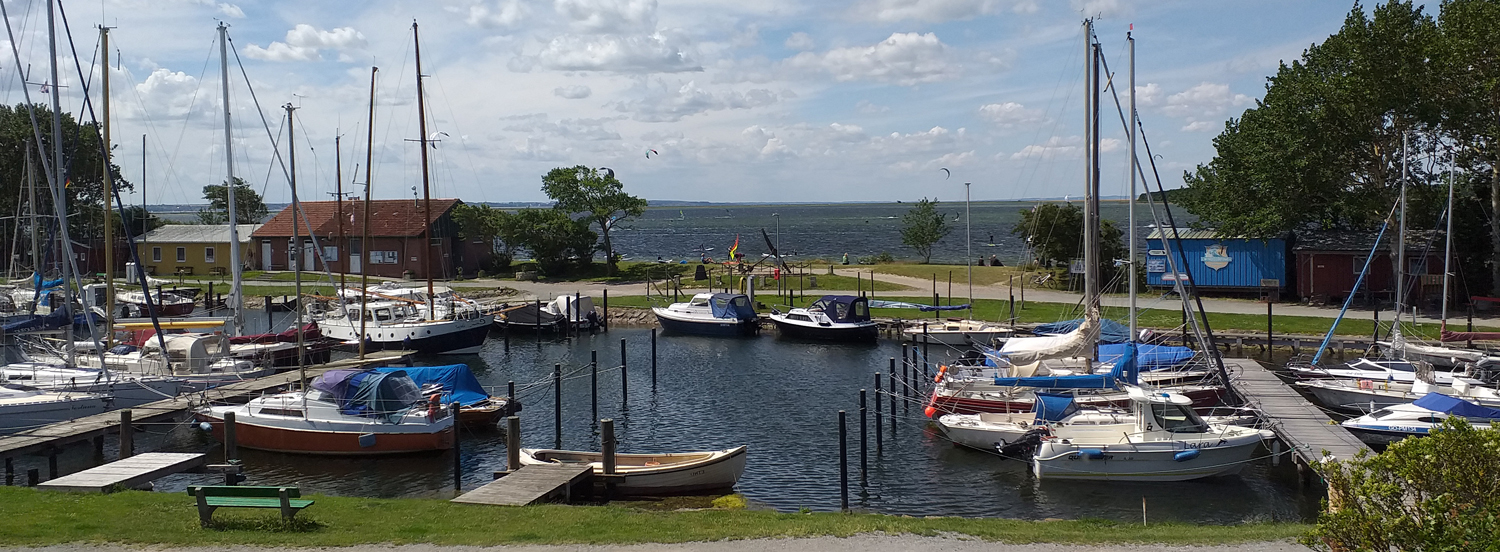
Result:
[
  {"x": 1177, "y": 418},
  {"x": 404, "y": 390}
]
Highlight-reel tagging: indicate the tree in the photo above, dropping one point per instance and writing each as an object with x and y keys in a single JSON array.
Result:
[
  {"x": 135, "y": 220},
  {"x": 249, "y": 208},
  {"x": 599, "y": 196},
  {"x": 555, "y": 239},
  {"x": 1054, "y": 232},
  {"x": 484, "y": 223},
  {"x": 923, "y": 226},
  {"x": 82, "y": 162},
  {"x": 1467, "y": 64},
  {"x": 1440, "y": 492}
]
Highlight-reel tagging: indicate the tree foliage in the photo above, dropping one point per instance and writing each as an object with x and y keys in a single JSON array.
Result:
[
  {"x": 135, "y": 220},
  {"x": 555, "y": 239},
  {"x": 598, "y": 195},
  {"x": 82, "y": 164},
  {"x": 249, "y": 208},
  {"x": 1441, "y": 492},
  {"x": 1054, "y": 233},
  {"x": 923, "y": 226}
]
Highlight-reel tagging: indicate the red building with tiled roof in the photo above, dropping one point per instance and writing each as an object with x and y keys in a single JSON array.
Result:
[{"x": 399, "y": 234}]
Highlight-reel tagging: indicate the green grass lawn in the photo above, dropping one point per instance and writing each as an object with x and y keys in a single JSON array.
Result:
[{"x": 37, "y": 518}]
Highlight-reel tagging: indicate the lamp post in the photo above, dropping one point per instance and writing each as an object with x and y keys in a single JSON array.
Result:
[
  {"x": 779, "y": 281},
  {"x": 968, "y": 250}
]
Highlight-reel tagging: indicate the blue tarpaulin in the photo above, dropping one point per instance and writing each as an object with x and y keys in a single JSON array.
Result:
[
  {"x": 370, "y": 393},
  {"x": 459, "y": 383},
  {"x": 1124, "y": 371},
  {"x": 1438, "y": 402},
  {"x": 1148, "y": 357},
  {"x": 1051, "y": 407},
  {"x": 1109, "y": 330},
  {"x": 733, "y": 306}
]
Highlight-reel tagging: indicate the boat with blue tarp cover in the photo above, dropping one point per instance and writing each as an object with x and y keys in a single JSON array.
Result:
[
  {"x": 830, "y": 318},
  {"x": 717, "y": 314},
  {"x": 346, "y": 412},
  {"x": 1394, "y": 423},
  {"x": 456, "y": 383}
]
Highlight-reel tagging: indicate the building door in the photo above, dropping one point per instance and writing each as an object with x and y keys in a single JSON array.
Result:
[
  {"x": 356, "y": 251},
  {"x": 309, "y": 256},
  {"x": 265, "y": 254}
]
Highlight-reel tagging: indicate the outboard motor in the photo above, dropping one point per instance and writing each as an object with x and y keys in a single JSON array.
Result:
[{"x": 1024, "y": 447}]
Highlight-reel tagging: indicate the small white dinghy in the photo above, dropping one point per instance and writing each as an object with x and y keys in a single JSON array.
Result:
[{"x": 656, "y": 474}]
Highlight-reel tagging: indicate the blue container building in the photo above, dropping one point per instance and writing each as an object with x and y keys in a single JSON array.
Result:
[{"x": 1221, "y": 264}]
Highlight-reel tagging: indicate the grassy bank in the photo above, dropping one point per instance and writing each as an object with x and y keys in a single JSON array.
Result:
[
  {"x": 1037, "y": 312},
  {"x": 35, "y": 518}
]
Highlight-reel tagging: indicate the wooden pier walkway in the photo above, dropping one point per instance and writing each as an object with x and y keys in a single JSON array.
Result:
[
  {"x": 1300, "y": 424},
  {"x": 53, "y": 436},
  {"x": 529, "y": 485},
  {"x": 128, "y": 473}
]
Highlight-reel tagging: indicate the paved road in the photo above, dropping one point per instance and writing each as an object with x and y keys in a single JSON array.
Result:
[{"x": 859, "y": 543}]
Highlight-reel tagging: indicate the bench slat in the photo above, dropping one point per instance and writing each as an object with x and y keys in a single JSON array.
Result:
[
  {"x": 241, "y": 502},
  {"x": 252, "y": 491}
]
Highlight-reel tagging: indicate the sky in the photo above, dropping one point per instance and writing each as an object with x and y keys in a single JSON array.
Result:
[{"x": 701, "y": 100}]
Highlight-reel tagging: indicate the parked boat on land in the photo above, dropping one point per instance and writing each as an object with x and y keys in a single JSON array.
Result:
[
  {"x": 656, "y": 474},
  {"x": 830, "y": 318},
  {"x": 346, "y": 412},
  {"x": 716, "y": 314}
]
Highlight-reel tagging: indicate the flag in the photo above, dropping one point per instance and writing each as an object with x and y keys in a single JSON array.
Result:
[{"x": 734, "y": 247}]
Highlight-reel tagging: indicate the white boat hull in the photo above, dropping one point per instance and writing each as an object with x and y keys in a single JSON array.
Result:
[
  {"x": 716, "y": 470},
  {"x": 25, "y": 413},
  {"x": 1148, "y": 461}
]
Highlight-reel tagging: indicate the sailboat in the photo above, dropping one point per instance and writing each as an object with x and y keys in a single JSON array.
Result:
[{"x": 378, "y": 323}]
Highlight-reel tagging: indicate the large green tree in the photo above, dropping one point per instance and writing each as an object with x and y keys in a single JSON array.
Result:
[
  {"x": 598, "y": 195},
  {"x": 1054, "y": 232},
  {"x": 555, "y": 239},
  {"x": 923, "y": 226},
  {"x": 1467, "y": 65},
  {"x": 249, "y": 208}
]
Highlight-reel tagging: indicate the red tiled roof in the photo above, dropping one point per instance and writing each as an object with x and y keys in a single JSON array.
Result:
[{"x": 390, "y": 218}]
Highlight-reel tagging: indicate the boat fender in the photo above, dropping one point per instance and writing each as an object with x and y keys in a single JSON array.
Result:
[
  {"x": 942, "y": 371},
  {"x": 1092, "y": 453},
  {"x": 1185, "y": 455},
  {"x": 204, "y": 426}
]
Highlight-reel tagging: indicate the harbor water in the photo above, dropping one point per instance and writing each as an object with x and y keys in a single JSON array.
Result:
[{"x": 779, "y": 397}]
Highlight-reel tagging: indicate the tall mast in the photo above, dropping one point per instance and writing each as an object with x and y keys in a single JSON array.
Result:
[
  {"x": 364, "y": 239},
  {"x": 1448, "y": 241},
  {"x": 1401, "y": 244},
  {"x": 109, "y": 189},
  {"x": 426, "y": 187},
  {"x": 1130, "y": 233},
  {"x": 291, "y": 148},
  {"x": 1091, "y": 175},
  {"x": 60, "y": 179},
  {"x": 338, "y": 187},
  {"x": 230, "y": 190},
  {"x": 145, "y": 216},
  {"x": 36, "y": 235},
  {"x": 968, "y": 252}
]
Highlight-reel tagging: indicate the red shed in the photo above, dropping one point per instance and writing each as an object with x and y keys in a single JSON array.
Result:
[
  {"x": 1329, "y": 263},
  {"x": 401, "y": 239}
]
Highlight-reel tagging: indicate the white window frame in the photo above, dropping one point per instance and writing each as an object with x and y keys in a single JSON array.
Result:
[{"x": 208, "y": 254}]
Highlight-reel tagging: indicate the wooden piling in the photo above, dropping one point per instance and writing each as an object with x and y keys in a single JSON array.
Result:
[
  {"x": 33, "y": 477},
  {"x": 512, "y": 443},
  {"x": 879, "y": 438},
  {"x": 653, "y": 359},
  {"x": 231, "y": 444},
  {"x": 52, "y": 464},
  {"x": 10, "y": 472},
  {"x": 624, "y": 380},
  {"x": 843, "y": 464},
  {"x": 127, "y": 435},
  {"x": 594, "y": 383},
  {"x": 891, "y": 376},
  {"x": 607, "y": 444},
  {"x": 604, "y": 321},
  {"x": 557, "y": 404},
  {"x": 505, "y": 327},
  {"x": 458, "y": 470},
  {"x": 1270, "y": 329},
  {"x": 864, "y": 441}
]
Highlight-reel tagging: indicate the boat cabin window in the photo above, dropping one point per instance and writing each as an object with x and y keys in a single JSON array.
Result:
[
  {"x": 1177, "y": 418},
  {"x": 861, "y": 309},
  {"x": 281, "y": 412},
  {"x": 801, "y": 317},
  {"x": 382, "y": 314},
  {"x": 405, "y": 390},
  {"x": 721, "y": 303},
  {"x": 1431, "y": 419},
  {"x": 741, "y": 302},
  {"x": 842, "y": 310},
  {"x": 1378, "y": 414},
  {"x": 699, "y": 301}
]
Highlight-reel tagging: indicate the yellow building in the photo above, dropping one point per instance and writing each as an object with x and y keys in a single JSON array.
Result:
[{"x": 201, "y": 249}]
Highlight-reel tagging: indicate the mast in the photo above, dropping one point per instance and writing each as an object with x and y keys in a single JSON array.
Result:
[
  {"x": 1448, "y": 241},
  {"x": 109, "y": 187},
  {"x": 364, "y": 239},
  {"x": 426, "y": 186},
  {"x": 1401, "y": 245},
  {"x": 1130, "y": 234},
  {"x": 338, "y": 187},
  {"x": 145, "y": 215},
  {"x": 36, "y": 235},
  {"x": 1091, "y": 177},
  {"x": 230, "y": 190},
  {"x": 291, "y": 147},
  {"x": 968, "y": 252},
  {"x": 60, "y": 178}
]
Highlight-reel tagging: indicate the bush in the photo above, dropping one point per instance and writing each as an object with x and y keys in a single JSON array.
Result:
[
  {"x": 884, "y": 258},
  {"x": 1441, "y": 492}
]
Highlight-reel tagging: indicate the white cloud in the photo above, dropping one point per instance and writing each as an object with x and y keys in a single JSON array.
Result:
[
  {"x": 904, "y": 58},
  {"x": 231, "y": 11},
  {"x": 304, "y": 42},
  {"x": 1204, "y": 101},
  {"x": 497, "y": 13},
  {"x": 660, "y": 102},
  {"x": 1147, "y": 95},
  {"x": 1107, "y": 145},
  {"x": 654, "y": 53},
  {"x": 1010, "y": 114},
  {"x": 609, "y": 16},
  {"x": 935, "y": 11},
  {"x": 1054, "y": 147},
  {"x": 865, "y": 107},
  {"x": 799, "y": 41},
  {"x": 536, "y": 125},
  {"x": 1199, "y": 126},
  {"x": 1106, "y": 9},
  {"x": 573, "y": 92}
]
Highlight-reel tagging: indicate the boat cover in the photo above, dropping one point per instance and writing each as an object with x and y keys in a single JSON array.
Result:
[
  {"x": 1109, "y": 330},
  {"x": 27, "y": 322},
  {"x": 735, "y": 306},
  {"x": 1124, "y": 371},
  {"x": 843, "y": 308},
  {"x": 459, "y": 383},
  {"x": 1438, "y": 402},
  {"x": 1148, "y": 357},
  {"x": 1053, "y": 407},
  {"x": 369, "y": 393}
]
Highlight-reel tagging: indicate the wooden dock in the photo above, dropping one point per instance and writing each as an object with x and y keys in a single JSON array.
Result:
[
  {"x": 128, "y": 473},
  {"x": 54, "y": 436},
  {"x": 1300, "y": 424},
  {"x": 529, "y": 485}
]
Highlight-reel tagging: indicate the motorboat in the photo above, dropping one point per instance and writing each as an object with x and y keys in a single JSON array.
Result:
[
  {"x": 401, "y": 325},
  {"x": 717, "y": 314},
  {"x": 1165, "y": 441},
  {"x": 133, "y": 302},
  {"x": 830, "y": 318},
  {"x": 456, "y": 383},
  {"x": 1363, "y": 395},
  {"x": 562, "y": 313},
  {"x": 1393, "y": 370},
  {"x": 990, "y": 431},
  {"x": 444, "y": 301},
  {"x": 956, "y": 332},
  {"x": 656, "y": 474},
  {"x": 24, "y": 407},
  {"x": 1394, "y": 423},
  {"x": 346, "y": 412}
]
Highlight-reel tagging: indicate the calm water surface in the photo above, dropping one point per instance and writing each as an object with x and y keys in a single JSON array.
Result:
[{"x": 779, "y": 397}]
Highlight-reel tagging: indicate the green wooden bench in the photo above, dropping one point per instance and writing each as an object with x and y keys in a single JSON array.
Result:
[{"x": 212, "y": 497}]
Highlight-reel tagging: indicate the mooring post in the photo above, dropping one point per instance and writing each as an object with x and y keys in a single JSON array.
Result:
[
  {"x": 512, "y": 443},
  {"x": 926, "y": 344},
  {"x": 458, "y": 470},
  {"x": 557, "y": 404},
  {"x": 607, "y": 444},
  {"x": 653, "y": 359},
  {"x": 1270, "y": 329},
  {"x": 506, "y": 327},
  {"x": 538, "y": 319},
  {"x": 843, "y": 464},
  {"x": 879, "y": 439},
  {"x": 594, "y": 382},
  {"x": 231, "y": 444},
  {"x": 576, "y": 324},
  {"x": 10, "y": 473},
  {"x": 52, "y": 464},
  {"x": 892, "y": 378},
  {"x": 864, "y": 440},
  {"x": 127, "y": 435},
  {"x": 624, "y": 381},
  {"x": 1470, "y": 342},
  {"x": 33, "y": 477},
  {"x": 99, "y": 446},
  {"x": 1377, "y": 327},
  {"x": 604, "y": 321},
  {"x": 906, "y": 391},
  {"x": 266, "y": 303},
  {"x": 208, "y": 300},
  {"x": 510, "y": 392}
]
